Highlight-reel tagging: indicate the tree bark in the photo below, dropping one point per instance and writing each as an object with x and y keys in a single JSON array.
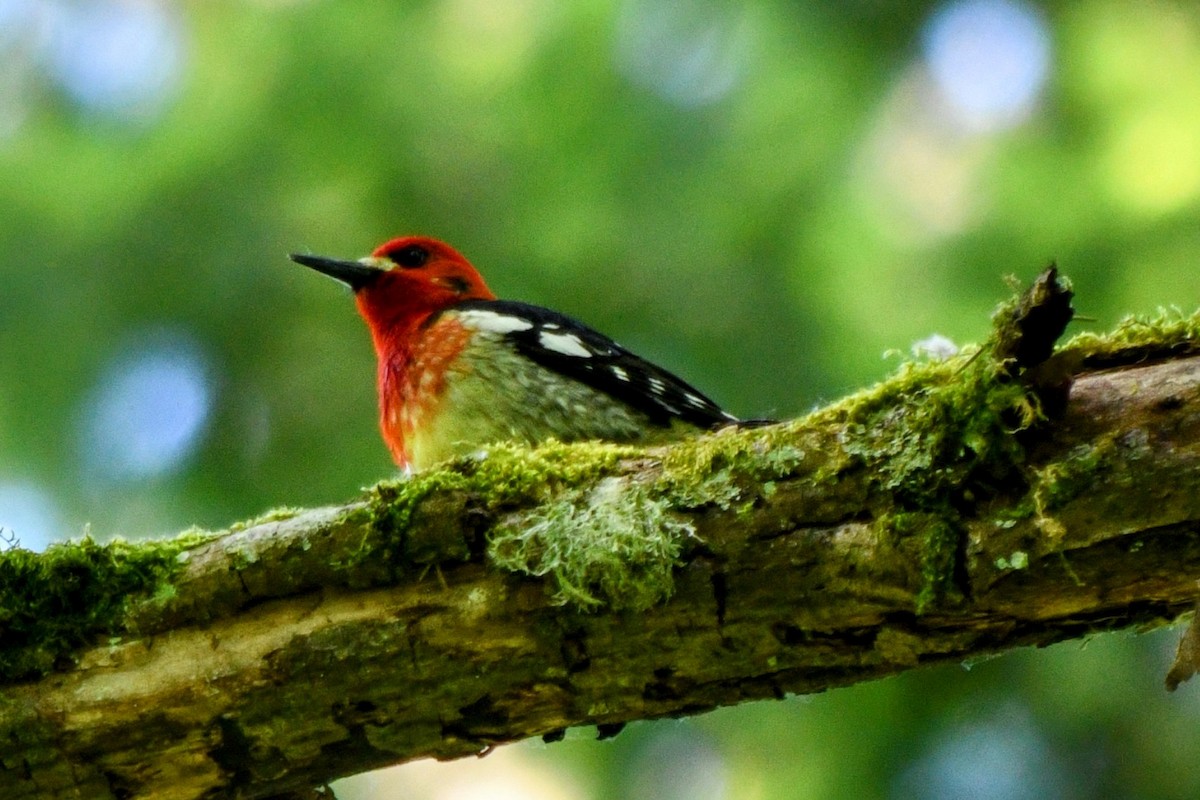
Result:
[{"x": 281, "y": 660}]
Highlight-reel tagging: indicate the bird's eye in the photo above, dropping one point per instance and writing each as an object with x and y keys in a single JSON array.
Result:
[{"x": 414, "y": 255}]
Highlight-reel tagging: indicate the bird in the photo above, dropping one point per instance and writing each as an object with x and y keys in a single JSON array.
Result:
[{"x": 459, "y": 369}]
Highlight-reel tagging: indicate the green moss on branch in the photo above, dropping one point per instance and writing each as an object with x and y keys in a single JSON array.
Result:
[
  {"x": 54, "y": 602},
  {"x": 1167, "y": 333}
]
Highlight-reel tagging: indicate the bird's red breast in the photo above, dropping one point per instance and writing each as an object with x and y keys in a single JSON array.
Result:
[{"x": 413, "y": 368}]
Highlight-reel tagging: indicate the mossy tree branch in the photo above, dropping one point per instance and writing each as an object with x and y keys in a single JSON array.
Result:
[{"x": 957, "y": 510}]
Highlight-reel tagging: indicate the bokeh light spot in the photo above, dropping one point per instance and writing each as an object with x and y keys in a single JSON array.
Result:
[
  {"x": 989, "y": 59},
  {"x": 1001, "y": 757},
  {"x": 1154, "y": 161},
  {"x": 118, "y": 58},
  {"x": 679, "y": 763},
  {"x": 690, "y": 53},
  {"x": 508, "y": 774},
  {"x": 28, "y": 516},
  {"x": 147, "y": 412},
  {"x": 918, "y": 174},
  {"x": 486, "y": 44}
]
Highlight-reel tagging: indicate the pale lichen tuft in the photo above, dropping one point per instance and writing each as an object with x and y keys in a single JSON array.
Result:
[{"x": 615, "y": 546}]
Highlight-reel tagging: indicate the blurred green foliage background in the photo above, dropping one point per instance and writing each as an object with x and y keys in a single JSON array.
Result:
[{"x": 765, "y": 197}]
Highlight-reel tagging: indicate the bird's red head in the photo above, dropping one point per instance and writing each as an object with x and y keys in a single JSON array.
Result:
[
  {"x": 404, "y": 281},
  {"x": 416, "y": 276}
]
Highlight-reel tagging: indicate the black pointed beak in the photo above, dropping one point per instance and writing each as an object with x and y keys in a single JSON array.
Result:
[{"x": 351, "y": 273}]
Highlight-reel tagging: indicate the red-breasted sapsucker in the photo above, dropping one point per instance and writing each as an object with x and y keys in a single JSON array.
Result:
[{"x": 459, "y": 369}]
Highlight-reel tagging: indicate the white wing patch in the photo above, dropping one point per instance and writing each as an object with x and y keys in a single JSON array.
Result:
[
  {"x": 567, "y": 344},
  {"x": 694, "y": 400},
  {"x": 657, "y": 386},
  {"x": 492, "y": 322},
  {"x": 621, "y": 374}
]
